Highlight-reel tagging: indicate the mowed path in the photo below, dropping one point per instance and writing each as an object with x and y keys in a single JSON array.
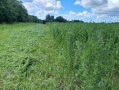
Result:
[{"x": 26, "y": 56}]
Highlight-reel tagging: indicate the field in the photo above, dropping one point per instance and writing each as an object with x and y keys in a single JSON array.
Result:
[{"x": 59, "y": 56}]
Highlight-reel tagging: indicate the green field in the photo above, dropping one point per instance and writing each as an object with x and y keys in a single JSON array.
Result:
[{"x": 59, "y": 56}]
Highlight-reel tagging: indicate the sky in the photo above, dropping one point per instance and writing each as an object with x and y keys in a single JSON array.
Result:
[{"x": 86, "y": 10}]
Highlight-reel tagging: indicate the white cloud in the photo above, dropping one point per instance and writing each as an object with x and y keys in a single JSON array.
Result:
[
  {"x": 105, "y": 7},
  {"x": 77, "y": 2},
  {"x": 49, "y": 4},
  {"x": 71, "y": 15},
  {"x": 88, "y": 17},
  {"x": 41, "y": 8},
  {"x": 102, "y": 10},
  {"x": 80, "y": 14}
]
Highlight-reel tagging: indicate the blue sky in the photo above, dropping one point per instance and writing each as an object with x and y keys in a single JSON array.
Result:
[
  {"x": 86, "y": 10},
  {"x": 70, "y": 6}
]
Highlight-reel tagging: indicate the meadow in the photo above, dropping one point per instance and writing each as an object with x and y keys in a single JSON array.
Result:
[{"x": 59, "y": 56}]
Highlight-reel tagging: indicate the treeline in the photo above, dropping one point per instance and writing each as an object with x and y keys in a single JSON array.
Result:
[
  {"x": 13, "y": 11},
  {"x": 50, "y": 18}
]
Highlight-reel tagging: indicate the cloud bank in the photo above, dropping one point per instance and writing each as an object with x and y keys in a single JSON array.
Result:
[
  {"x": 100, "y": 10},
  {"x": 41, "y": 8},
  {"x": 101, "y": 7}
]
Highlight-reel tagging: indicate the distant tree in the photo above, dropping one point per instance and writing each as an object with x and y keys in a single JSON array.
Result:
[
  {"x": 49, "y": 18},
  {"x": 60, "y": 19},
  {"x": 32, "y": 18},
  {"x": 52, "y": 18},
  {"x": 43, "y": 21},
  {"x": 77, "y": 21}
]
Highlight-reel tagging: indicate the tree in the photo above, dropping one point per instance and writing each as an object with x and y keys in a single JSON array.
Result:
[
  {"x": 49, "y": 18},
  {"x": 77, "y": 21},
  {"x": 14, "y": 11},
  {"x": 32, "y": 18},
  {"x": 60, "y": 19}
]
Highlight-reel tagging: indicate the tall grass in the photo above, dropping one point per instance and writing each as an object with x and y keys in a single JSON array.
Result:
[
  {"x": 59, "y": 56},
  {"x": 91, "y": 55}
]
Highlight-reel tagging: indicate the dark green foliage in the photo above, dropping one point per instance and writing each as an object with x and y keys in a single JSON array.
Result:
[
  {"x": 60, "y": 19},
  {"x": 13, "y": 11},
  {"x": 33, "y": 19},
  {"x": 77, "y": 21},
  {"x": 43, "y": 21},
  {"x": 49, "y": 18}
]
